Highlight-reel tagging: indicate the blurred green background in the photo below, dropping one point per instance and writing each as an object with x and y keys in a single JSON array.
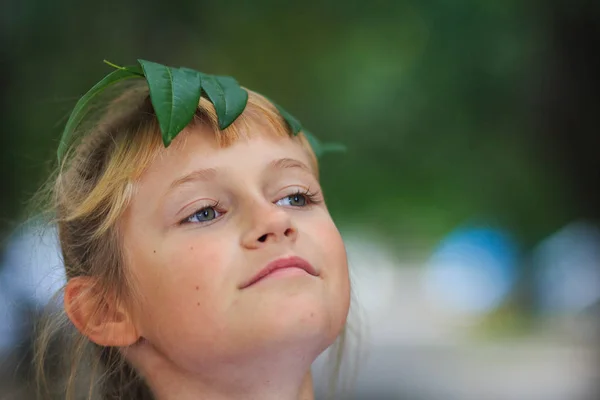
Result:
[{"x": 455, "y": 113}]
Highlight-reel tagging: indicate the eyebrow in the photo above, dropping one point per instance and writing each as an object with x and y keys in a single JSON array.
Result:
[
  {"x": 284, "y": 163},
  {"x": 208, "y": 174},
  {"x": 203, "y": 175}
]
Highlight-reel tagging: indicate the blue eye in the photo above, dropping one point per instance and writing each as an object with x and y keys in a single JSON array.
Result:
[
  {"x": 206, "y": 214},
  {"x": 294, "y": 200}
]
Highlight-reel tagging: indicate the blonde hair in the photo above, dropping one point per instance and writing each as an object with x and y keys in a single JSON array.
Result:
[{"x": 87, "y": 196}]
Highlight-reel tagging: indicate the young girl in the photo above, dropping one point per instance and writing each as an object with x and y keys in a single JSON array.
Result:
[{"x": 209, "y": 269}]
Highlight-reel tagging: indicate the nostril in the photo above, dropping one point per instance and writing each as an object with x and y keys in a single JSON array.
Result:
[
  {"x": 263, "y": 238},
  {"x": 288, "y": 232}
]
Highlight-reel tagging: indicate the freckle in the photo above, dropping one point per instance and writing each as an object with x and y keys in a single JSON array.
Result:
[
  {"x": 191, "y": 247},
  {"x": 312, "y": 314},
  {"x": 197, "y": 287},
  {"x": 198, "y": 303},
  {"x": 155, "y": 251}
]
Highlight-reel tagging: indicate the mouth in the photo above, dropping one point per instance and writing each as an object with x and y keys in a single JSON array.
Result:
[{"x": 285, "y": 263}]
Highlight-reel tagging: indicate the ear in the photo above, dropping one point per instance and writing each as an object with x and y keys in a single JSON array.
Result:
[{"x": 97, "y": 316}]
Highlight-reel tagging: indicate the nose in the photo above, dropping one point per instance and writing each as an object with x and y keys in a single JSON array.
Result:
[{"x": 270, "y": 224}]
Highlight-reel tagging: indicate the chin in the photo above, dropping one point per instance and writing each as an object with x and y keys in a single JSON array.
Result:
[{"x": 303, "y": 322}]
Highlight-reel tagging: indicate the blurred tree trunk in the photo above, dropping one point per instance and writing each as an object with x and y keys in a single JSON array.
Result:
[{"x": 570, "y": 97}]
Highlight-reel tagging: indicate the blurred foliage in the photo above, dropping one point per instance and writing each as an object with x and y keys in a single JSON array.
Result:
[{"x": 432, "y": 98}]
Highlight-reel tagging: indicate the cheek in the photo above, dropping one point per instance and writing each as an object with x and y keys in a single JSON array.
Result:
[
  {"x": 339, "y": 258},
  {"x": 328, "y": 240},
  {"x": 197, "y": 266},
  {"x": 334, "y": 265},
  {"x": 186, "y": 275}
]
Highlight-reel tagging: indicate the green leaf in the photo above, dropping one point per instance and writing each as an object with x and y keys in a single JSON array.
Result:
[
  {"x": 314, "y": 143},
  {"x": 294, "y": 124},
  {"x": 226, "y": 95},
  {"x": 81, "y": 108},
  {"x": 333, "y": 148},
  {"x": 134, "y": 69},
  {"x": 174, "y": 94},
  {"x": 322, "y": 148},
  {"x": 215, "y": 93}
]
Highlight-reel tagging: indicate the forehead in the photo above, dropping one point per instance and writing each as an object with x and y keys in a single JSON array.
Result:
[{"x": 198, "y": 147}]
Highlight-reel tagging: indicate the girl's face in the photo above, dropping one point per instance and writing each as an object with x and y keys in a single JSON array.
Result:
[{"x": 204, "y": 222}]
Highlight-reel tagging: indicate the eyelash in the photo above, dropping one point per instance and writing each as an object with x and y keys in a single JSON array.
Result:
[
  {"x": 214, "y": 205},
  {"x": 311, "y": 197}
]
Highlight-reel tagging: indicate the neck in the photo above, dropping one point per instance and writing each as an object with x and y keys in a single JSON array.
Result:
[
  {"x": 178, "y": 389},
  {"x": 274, "y": 378}
]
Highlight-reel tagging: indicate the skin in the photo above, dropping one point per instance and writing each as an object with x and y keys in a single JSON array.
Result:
[{"x": 193, "y": 331}]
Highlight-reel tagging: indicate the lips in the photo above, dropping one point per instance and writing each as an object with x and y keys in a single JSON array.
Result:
[{"x": 281, "y": 263}]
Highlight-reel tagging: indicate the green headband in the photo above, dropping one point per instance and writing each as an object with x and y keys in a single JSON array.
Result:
[{"x": 175, "y": 93}]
